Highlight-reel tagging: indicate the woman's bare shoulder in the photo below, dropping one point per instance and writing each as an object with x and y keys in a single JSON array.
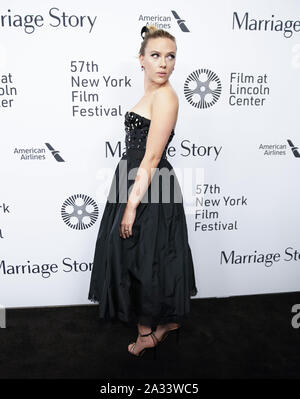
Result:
[{"x": 166, "y": 94}]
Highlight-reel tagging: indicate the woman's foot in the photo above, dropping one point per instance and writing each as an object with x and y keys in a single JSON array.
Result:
[
  {"x": 143, "y": 343},
  {"x": 163, "y": 329}
]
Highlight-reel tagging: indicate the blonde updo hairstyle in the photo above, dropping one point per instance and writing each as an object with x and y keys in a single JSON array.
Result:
[{"x": 151, "y": 32}]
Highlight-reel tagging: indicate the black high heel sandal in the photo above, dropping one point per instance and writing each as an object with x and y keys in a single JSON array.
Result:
[
  {"x": 153, "y": 348},
  {"x": 168, "y": 332}
]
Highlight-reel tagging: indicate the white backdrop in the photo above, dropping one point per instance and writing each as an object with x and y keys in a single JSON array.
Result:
[{"x": 55, "y": 160}]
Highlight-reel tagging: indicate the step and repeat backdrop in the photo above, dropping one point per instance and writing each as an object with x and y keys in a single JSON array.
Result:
[{"x": 69, "y": 72}]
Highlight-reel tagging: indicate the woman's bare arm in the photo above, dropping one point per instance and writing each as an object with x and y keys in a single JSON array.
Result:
[{"x": 163, "y": 119}]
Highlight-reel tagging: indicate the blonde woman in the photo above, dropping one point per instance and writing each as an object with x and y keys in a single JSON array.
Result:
[{"x": 143, "y": 271}]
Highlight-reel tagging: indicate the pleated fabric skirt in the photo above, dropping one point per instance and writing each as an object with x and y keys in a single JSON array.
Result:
[{"x": 149, "y": 277}]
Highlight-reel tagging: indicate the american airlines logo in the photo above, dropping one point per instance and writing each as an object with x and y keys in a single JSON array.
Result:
[
  {"x": 294, "y": 148},
  {"x": 37, "y": 153},
  {"x": 181, "y": 22},
  {"x": 274, "y": 149},
  {"x": 55, "y": 153}
]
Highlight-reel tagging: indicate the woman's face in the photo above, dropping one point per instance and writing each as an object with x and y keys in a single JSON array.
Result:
[{"x": 159, "y": 57}]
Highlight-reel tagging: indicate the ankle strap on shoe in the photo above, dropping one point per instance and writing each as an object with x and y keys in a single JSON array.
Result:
[
  {"x": 146, "y": 335},
  {"x": 155, "y": 340}
]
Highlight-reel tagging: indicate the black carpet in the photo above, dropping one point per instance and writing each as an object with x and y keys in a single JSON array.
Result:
[{"x": 235, "y": 337}]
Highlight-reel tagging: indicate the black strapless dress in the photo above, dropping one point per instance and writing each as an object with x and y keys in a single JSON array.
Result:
[{"x": 147, "y": 278}]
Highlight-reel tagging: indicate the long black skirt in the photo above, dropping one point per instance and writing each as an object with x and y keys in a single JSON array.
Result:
[{"x": 147, "y": 278}]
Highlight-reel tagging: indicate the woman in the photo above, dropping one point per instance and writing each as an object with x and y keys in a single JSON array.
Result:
[{"x": 143, "y": 269}]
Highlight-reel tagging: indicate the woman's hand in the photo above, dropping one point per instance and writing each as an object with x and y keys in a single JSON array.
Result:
[{"x": 127, "y": 221}]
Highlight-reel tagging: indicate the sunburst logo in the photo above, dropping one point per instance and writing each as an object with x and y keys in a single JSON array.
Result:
[
  {"x": 202, "y": 88},
  {"x": 79, "y": 212}
]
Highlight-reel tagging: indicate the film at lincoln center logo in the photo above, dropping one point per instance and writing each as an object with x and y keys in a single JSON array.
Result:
[
  {"x": 202, "y": 88},
  {"x": 79, "y": 211}
]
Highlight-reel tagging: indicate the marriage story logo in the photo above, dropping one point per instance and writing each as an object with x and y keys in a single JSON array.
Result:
[{"x": 55, "y": 18}]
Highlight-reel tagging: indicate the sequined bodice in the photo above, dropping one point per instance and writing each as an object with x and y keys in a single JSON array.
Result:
[{"x": 137, "y": 128}]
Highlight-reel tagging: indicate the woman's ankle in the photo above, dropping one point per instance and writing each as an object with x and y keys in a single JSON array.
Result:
[
  {"x": 144, "y": 329},
  {"x": 167, "y": 326}
]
